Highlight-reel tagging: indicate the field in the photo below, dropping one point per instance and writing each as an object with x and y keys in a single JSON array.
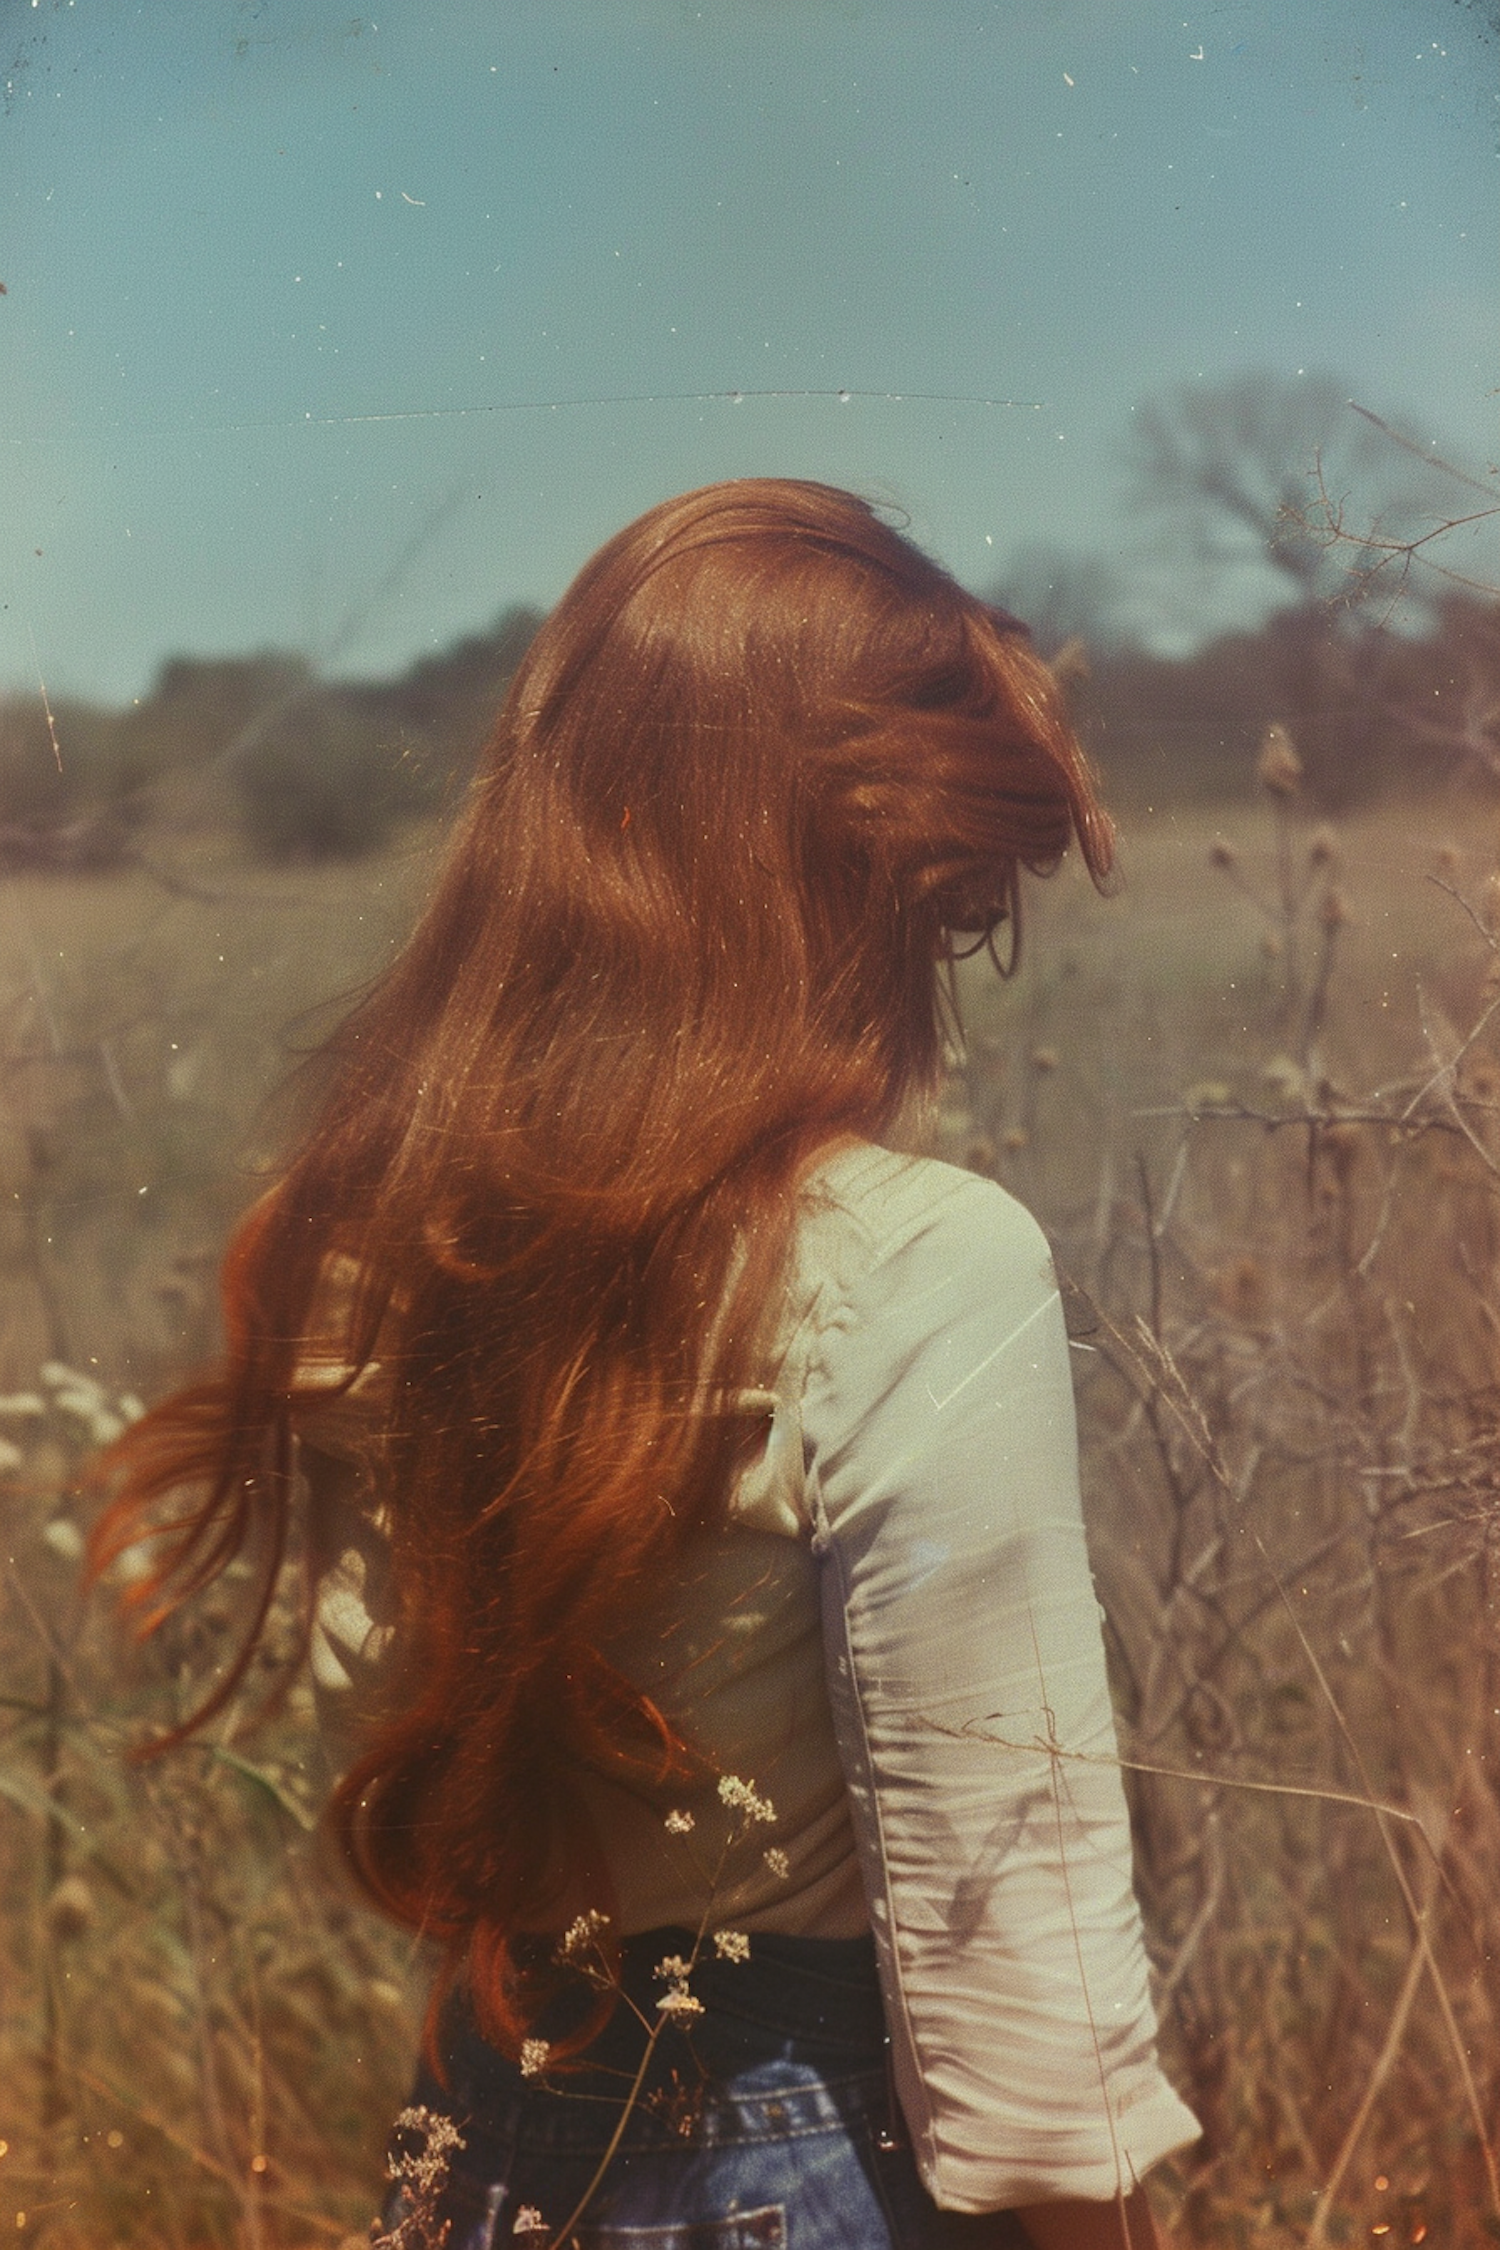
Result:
[{"x": 1255, "y": 1099}]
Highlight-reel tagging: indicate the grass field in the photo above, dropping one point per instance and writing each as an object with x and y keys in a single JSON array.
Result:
[{"x": 1253, "y": 1097}]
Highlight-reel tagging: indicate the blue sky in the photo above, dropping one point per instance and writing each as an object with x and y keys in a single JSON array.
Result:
[{"x": 338, "y": 331}]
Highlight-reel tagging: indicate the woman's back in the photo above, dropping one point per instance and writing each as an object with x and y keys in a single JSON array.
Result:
[
  {"x": 729, "y": 1564},
  {"x": 893, "y": 1635}
]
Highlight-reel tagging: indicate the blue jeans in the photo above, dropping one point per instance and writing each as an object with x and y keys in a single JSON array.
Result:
[{"x": 766, "y": 2123}]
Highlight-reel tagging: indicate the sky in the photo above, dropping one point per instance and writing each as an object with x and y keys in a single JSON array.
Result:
[{"x": 338, "y": 332}]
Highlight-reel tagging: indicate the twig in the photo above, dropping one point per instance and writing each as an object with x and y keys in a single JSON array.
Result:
[
  {"x": 978, "y": 1731},
  {"x": 1418, "y": 1917},
  {"x": 1428, "y": 460},
  {"x": 1391, "y": 2047},
  {"x": 1446, "y": 1070}
]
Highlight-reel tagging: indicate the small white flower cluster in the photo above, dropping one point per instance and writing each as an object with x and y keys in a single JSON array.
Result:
[
  {"x": 740, "y": 1797},
  {"x": 76, "y": 1410},
  {"x": 439, "y": 2136},
  {"x": 731, "y": 1945},
  {"x": 677, "y": 2002},
  {"x": 582, "y": 1935},
  {"x": 778, "y": 1863},
  {"x": 421, "y": 2173},
  {"x": 529, "y": 2220},
  {"x": 534, "y": 2054},
  {"x": 679, "y": 1824},
  {"x": 85, "y": 1401},
  {"x": 582, "y": 1949}
]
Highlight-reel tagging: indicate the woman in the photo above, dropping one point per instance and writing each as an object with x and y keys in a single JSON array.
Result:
[{"x": 688, "y": 1483}]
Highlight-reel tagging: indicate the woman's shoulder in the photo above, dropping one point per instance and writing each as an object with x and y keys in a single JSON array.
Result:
[
  {"x": 866, "y": 1205},
  {"x": 901, "y": 1248}
]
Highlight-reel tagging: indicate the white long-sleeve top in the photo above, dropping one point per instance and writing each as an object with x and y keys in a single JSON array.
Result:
[{"x": 896, "y": 1638}]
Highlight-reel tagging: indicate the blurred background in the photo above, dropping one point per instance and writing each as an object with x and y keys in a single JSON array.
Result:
[{"x": 330, "y": 346}]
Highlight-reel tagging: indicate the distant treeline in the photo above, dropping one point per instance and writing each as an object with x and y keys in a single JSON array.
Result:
[
  {"x": 302, "y": 768},
  {"x": 1371, "y": 709},
  {"x": 306, "y": 768}
]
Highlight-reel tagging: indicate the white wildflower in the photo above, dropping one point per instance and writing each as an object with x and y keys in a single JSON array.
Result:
[
  {"x": 673, "y": 1969},
  {"x": 61, "y": 1534},
  {"x": 534, "y": 2053},
  {"x": 439, "y": 2132},
  {"x": 582, "y": 1935},
  {"x": 87, "y": 1401},
  {"x": 731, "y": 1945},
  {"x": 740, "y": 1797},
  {"x": 778, "y": 1863},
  {"x": 529, "y": 2220},
  {"x": 22, "y": 1406},
  {"x": 680, "y": 2002},
  {"x": 420, "y": 2170},
  {"x": 679, "y": 1824}
]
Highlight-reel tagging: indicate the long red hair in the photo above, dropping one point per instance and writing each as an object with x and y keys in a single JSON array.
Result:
[{"x": 759, "y": 770}]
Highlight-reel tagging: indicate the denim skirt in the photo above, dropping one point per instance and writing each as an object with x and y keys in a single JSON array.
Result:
[{"x": 766, "y": 2122}]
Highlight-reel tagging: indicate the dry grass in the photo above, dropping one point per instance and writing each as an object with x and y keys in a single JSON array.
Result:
[
  {"x": 1268, "y": 1147},
  {"x": 203, "y": 2039},
  {"x": 1269, "y": 1161}
]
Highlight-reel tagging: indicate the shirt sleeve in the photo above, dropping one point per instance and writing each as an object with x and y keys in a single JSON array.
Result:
[{"x": 966, "y": 1673}]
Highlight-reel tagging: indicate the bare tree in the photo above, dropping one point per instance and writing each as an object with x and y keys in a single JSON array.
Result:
[{"x": 1238, "y": 475}]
